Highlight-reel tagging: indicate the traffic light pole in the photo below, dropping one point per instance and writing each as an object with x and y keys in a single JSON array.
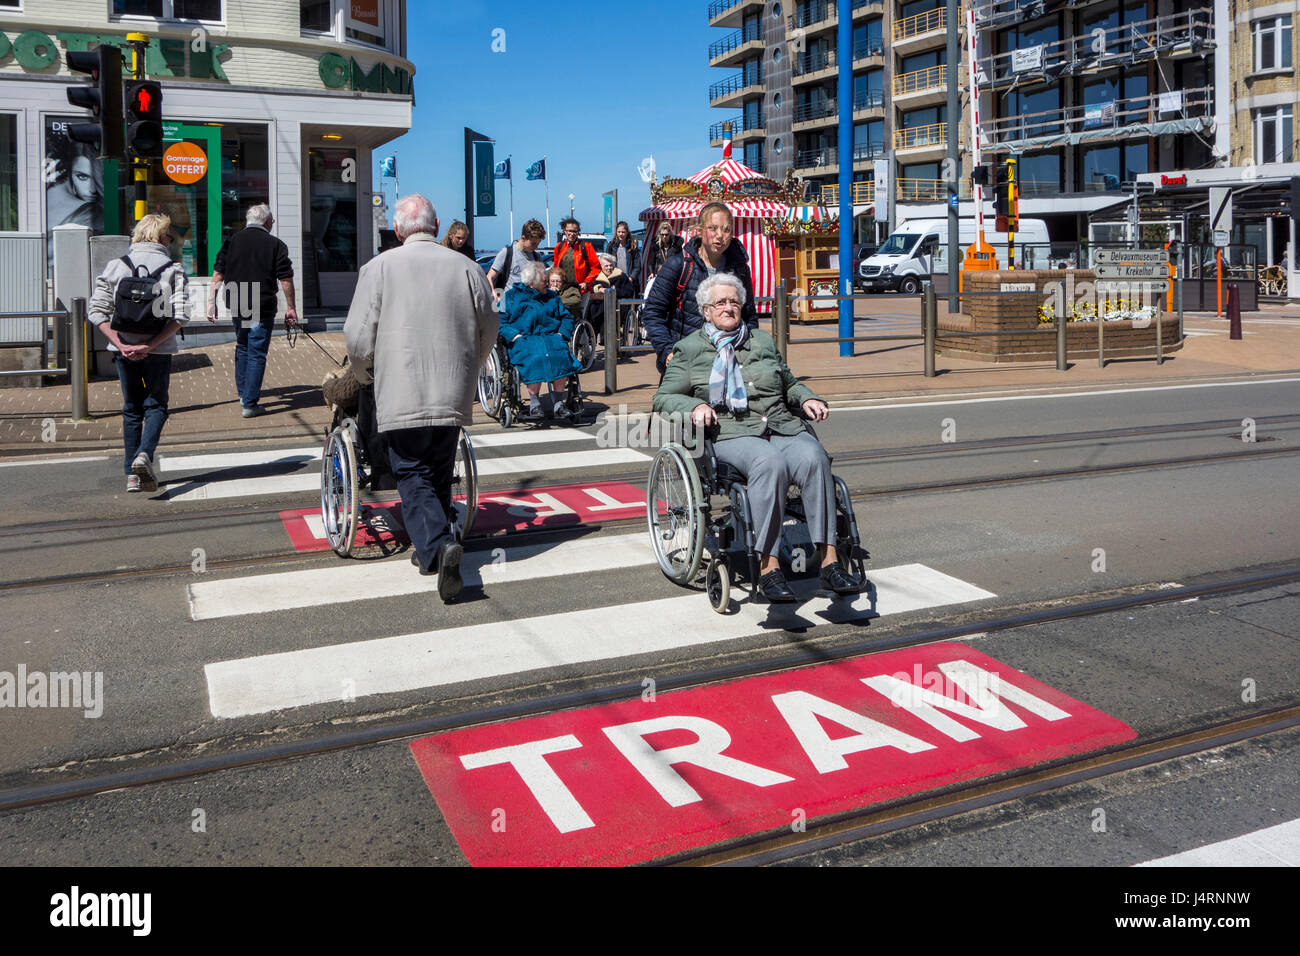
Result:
[
  {"x": 139, "y": 167},
  {"x": 1014, "y": 210}
]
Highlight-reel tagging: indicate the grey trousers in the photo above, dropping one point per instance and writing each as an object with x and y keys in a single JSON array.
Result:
[{"x": 769, "y": 466}]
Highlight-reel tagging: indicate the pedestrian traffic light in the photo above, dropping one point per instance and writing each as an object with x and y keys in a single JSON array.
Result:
[
  {"x": 980, "y": 176},
  {"x": 104, "y": 100},
  {"x": 143, "y": 108}
]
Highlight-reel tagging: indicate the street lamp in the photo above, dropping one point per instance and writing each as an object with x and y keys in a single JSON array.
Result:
[{"x": 570, "y": 205}]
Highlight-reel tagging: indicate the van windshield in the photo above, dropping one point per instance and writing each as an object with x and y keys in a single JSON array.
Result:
[{"x": 900, "y": 243}]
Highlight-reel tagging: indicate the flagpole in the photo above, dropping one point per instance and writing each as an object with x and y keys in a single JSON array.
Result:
[
  {"x": 511, "y": 170},
  {"x": 546, "y": 180}
]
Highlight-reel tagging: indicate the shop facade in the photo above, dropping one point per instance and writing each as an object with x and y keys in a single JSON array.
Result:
[{"x": 280, "y": 102}]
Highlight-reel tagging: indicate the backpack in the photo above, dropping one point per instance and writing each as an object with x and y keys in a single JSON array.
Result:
[
  {"x": 139, "y": 301},
  {"x": 504, "y": 275}
]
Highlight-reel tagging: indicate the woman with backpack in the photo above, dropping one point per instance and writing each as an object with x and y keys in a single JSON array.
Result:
[
  {"x": 670, "y": 312},
  {"x": 140, "y": 301}
]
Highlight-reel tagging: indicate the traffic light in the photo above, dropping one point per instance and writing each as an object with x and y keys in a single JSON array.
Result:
[
  {"x": 104, "y": 100},
  {"x": 143, "y": 108},
  {"x": 980, "y": 176}
]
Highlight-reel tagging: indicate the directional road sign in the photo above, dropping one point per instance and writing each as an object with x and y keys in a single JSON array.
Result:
[
  {"x": 1140, "y": 285},
  {"x": 1133, "y": 270},
  {"x": 1111, "y": 256}
]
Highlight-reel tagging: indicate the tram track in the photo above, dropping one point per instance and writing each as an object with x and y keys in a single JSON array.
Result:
[
  {"x": 857, "y": 495},
  {"x": 1201, "y": 735}
]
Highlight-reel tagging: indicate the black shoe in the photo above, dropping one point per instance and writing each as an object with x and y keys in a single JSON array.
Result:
[
  {"x": 773, "y": 586},
  {"x": 449, "y": 582},
  {"x": 415, "y": 560},
  {"x": 835, "y": 578}
]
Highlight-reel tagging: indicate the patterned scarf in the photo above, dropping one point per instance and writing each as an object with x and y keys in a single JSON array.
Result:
[{"x": 725, "y": 379}]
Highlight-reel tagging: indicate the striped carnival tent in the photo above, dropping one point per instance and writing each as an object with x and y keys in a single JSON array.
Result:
[{"x": 753, "y": 200}]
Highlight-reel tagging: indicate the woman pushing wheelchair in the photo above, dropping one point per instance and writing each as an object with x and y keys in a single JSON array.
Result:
[{"x": 732, "y": 376}]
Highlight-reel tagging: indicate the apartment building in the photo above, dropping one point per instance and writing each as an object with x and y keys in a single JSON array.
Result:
[{"x": 284, "y": 100}]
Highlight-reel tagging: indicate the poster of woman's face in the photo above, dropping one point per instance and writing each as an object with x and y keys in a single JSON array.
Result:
[{"x": 74, "y": 182}]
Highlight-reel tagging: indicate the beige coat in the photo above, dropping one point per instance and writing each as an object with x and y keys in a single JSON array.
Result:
[{"x": 421, "y": 324}]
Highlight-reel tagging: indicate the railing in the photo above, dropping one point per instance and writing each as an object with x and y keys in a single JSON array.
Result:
[
  {"x": 746, "y": 34},
  {"x": 737, "y": 126},
  {"x": 1088, "y": 51},
  {"x": 810, "y": 61},
  {"x": 811, "y": 14},
  {"x": 930, "y": 190},
  {"x": 863, "y": 151},
  {"x": 74, "y": 327},
  {"x": 935, "y": 134},
  {"x": 861, "y": 193},
  {"x": 871, "y": 46},
  {"x": 1115, "y": 115},
  {"x": 732, "y": 84},
  {"x": 757, "y": 164},
  {"x": 814, "y": 111},
  {"x": 927, "y": 22},
  {"x": 868, "y": 100},
  {"x": 719, "y": 7},
  {"x": 814, "y": 158},
  {"x": 931, "y": 78}
]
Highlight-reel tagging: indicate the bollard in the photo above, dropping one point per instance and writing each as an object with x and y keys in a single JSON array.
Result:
[
  {"x": 781, "y": 321},
  {"x": 611, "y": 341},
  {"x": 929, "y": 322},
  {"x": 1101, "y": 336},
  {"x": 1234, "y": 312},
  {"x": 1160, "y": 353},
  {"x": 1062, "y": 362},
  {"x": 77, "y": 359}
]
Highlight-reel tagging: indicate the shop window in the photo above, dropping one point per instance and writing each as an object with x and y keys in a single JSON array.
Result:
[
  {"x": 1272, "y": 43},
  {"x": 334, "y": 209},
  {"x": 169, "y": 9},
  {"x": 8, "y": 173}
]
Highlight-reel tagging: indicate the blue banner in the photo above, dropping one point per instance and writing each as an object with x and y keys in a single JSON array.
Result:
[
  {"x": 537, "y": 170},
  {"x": 388, "y": 167},
  {"x": 485, "y": 182},
  {"x": 503, "y": 169}
]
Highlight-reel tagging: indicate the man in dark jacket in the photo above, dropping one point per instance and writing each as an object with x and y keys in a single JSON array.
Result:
[
  {"x": 671, "y": 312},
  {"x": 251, "y": 263}
]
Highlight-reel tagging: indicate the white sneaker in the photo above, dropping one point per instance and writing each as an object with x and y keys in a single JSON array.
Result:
[
  {"x": 142, "y": 468},
  {"x": 133, "y": 483}
]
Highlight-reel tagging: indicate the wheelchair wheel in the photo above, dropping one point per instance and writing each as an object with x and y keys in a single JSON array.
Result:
[
  {"x": 339, "y": 508},
  {"x": 490, "y": 384},
  {"x": 675, "y": 507},
  {"x": 583, "y": 344},
  {"x": 848, "y": 547},
  {"x": 632, "y": 327},
  {"x": 717, "y": 584},
  {"x": 507, "y": 416},
  {"x": 464, "y": 487}
]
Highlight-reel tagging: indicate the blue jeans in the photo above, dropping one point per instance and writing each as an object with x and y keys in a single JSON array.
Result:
[
  {"x": 144, "y": 403},
  {"x": 252, "y": 342},
  {"x": 423, "y": 460}
]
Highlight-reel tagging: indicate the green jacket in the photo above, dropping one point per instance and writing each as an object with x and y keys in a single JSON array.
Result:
[{"x": 775, "y": 396}]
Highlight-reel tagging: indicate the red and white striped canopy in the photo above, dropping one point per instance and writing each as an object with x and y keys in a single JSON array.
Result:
[
  {"x": 729, "y": 171},
  {"x": 690, "y": 209}
]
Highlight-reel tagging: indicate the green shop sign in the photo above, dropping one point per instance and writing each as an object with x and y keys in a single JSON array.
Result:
[
  {"x": 168, "y": 57},
  {"x": 338, "y": 73}
]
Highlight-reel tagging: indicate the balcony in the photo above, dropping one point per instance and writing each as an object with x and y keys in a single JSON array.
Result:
[
  {"x": 826, "y": 159},
  {"x": 931, "y": 190},
  {"x": 1189, "y": 32},
  {"x": 862, "y": 7},
  {"x": 739, "y": 131},
  {"x": 1178, "y": 111},
  {"x": 811, "y": 66},
  {"x": 921, "y": 30},
  {"x": 927, "y": 87},
  {"x": 920, "y": 143},
  {"x": 862, "y": 193},
  {"x": 811, "y": 115},
  {"x": 733, "y": 90},
  {"x": 868, "y": 100},
  {"x": 731, "y": 13},
  {"x": 865, "y": 49},
  {"x": 735, "y": 47}
]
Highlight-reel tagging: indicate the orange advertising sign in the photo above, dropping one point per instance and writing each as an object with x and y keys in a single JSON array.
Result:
[{"x": 185, "y": 163}]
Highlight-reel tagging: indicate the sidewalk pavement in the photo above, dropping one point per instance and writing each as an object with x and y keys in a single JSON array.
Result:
[{"x": 205, "y": 409}]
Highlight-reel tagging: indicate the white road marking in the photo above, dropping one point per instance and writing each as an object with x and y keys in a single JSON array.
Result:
[
  {"x": 373, "y": 580},
  {"x": 539, "y": 437},
  {"x": 239, "y": 459},
  {"x": 390, "y": 665},
  {"x": 1274, "y": 846},
  {"x": 51, "y": 461}
]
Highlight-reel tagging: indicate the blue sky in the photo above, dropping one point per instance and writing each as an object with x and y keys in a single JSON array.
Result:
[{"x": 595, "y": 87}]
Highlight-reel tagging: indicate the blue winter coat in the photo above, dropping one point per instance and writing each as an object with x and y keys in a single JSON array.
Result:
[{"x": 544, "y": 327}]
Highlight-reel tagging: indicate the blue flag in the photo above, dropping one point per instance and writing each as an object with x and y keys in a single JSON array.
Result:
[
  {"x": 388, "y": 167},
  {"x": 503, "y": 169},
  {"x": 537, "y": 170}
]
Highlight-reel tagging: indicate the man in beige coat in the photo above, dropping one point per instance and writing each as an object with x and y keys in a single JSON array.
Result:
[{"x": 421, "y": 325}]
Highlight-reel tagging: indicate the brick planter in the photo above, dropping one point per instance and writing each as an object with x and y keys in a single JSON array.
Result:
[{"x": 1019, "y": 312}]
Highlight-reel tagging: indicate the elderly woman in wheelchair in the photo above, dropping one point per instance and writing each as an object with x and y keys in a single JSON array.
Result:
[
  {"x": 731, "y": 377},
  {"x": 537, "y": 330}
]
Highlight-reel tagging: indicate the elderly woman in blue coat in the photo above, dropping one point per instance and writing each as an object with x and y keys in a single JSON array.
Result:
[
  {"x": 537, "y": 327},
  {"x": 732, "y": 376}
]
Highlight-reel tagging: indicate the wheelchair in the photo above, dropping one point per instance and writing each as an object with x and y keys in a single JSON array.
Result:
[
  {"x": 501, "y": 391},
  {"x": 348, "y": 467},
  {"x": 684, "y": 526}
]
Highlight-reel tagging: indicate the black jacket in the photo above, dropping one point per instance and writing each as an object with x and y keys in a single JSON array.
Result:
[
  {"x": 634, "y": 253},
  {"x": 669, "y": 317},
  {"x": 259, "y": 260},
  {"x": 659, "y": 255}
]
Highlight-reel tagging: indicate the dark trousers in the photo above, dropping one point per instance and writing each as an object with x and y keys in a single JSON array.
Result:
[
  {"x": 252, "y": 342},
  {"x": 144, "y": 403},
  {"x": 423, "y": 460}
]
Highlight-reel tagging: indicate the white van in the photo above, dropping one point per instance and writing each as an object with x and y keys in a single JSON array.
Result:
[{"x": 919, "y": 248}]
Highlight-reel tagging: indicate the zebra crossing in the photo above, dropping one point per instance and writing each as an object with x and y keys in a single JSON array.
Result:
[{"x": 210, "y": 476}]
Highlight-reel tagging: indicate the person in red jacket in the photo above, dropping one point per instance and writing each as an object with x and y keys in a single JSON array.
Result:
[{"x": 580, "y": 265}]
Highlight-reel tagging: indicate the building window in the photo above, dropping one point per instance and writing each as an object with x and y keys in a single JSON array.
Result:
[
  {"x": 1273, "y": 135},
  {"x": 169, "y": 9},
  {"x": 334, "y": 210},
  {"x": 317, "y": 15},
  {"x": 11, "y": 3},
  {"x": 8, "y": 172},
  {"x": 1273, "y": 43}
]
